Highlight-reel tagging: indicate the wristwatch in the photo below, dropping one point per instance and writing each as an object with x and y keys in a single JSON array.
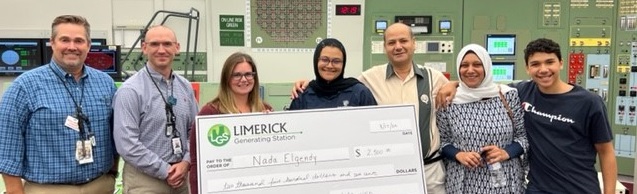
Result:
[{"x": 114, "y": 173}]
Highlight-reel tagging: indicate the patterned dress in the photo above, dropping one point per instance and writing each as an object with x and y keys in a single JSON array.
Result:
[{"x": 471, "y": 126}]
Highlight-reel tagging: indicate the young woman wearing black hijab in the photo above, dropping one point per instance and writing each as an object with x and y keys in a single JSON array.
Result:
[{"x": 330, "y": 89}]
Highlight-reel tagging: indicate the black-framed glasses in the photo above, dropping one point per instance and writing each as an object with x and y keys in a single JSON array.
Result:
[
  {"x": 166, "y": 44},
  {"x": 247, "y": 75},
  {"x": 334, "y": 61}
]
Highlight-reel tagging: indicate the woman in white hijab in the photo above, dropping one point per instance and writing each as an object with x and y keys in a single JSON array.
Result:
[{"x": 482, "y": 128}]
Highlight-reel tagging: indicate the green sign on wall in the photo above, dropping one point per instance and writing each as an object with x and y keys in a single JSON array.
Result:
[
  {"x": 231, "y": 22},
  {"x": 231, "y": 30},
  {"x": 231, "y": 38}
]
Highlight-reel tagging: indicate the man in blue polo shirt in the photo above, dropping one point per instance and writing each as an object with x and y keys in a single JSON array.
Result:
[{"x": 55, "y": 122}]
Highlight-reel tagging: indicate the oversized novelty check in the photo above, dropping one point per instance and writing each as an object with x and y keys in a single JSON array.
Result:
[{"x": 359, "y": 150}]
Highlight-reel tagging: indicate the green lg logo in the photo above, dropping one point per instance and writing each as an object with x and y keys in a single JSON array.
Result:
[{"x": 218, "y": 135}]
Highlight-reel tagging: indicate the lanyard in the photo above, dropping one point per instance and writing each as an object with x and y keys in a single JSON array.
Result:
[
  {"x": 81, "y": 117},
  {"x": 171, "y": 130}
]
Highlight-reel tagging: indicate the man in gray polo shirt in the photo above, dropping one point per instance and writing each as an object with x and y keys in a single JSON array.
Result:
[{"x": 154, "y": 109}]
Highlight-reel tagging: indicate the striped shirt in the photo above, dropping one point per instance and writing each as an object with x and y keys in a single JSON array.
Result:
[
  {"x": 388, "y": 88},
  {"x": 140, "y": 121},
  {"x": 36, "y": 145}
]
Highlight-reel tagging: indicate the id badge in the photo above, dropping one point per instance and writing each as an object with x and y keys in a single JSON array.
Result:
[
  {"x": 91, "y": 138},
  {"x": 72, "y": 122},
  {"x": 84, "y": 152},
  {"x": 169, "y": 129},
  {"x": 177, "y": 148}
]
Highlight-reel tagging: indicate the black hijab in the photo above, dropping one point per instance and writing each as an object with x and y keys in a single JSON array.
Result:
[{"x": 320, "y": 85}]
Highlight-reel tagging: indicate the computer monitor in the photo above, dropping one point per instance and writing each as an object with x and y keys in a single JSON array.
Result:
[
  {"x": 381, "y": 26},
  {"x": 47, "y": 52},
  {"x": 501, "y": 44},
  {"x": 444, "y": 26},
  {"x": 503, "y": 71},
  {"x": 105, "y": 58},
  {"x": 19, "y": 55}
]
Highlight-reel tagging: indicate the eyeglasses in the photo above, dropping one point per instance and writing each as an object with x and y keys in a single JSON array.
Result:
[
  {"x": 335, "y": 61},
  {"x": 248, "y": 75},
  {"x": 166, "y": 44}
]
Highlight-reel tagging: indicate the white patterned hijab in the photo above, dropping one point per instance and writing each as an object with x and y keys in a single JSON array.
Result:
[{"x": 487, "y": 88}]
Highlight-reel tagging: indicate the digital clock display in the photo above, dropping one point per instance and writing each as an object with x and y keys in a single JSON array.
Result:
[{"x": 348, "y": 9}]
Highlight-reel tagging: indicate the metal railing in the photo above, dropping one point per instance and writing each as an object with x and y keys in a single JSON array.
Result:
[{"x": 192, "y": 16}]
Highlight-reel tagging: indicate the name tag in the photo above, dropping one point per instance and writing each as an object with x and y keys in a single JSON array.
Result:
[{"x": 72, "y": 122}]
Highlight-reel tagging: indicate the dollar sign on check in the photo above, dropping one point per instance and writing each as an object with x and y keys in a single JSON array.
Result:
[{"x": 358, "y": 153}]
